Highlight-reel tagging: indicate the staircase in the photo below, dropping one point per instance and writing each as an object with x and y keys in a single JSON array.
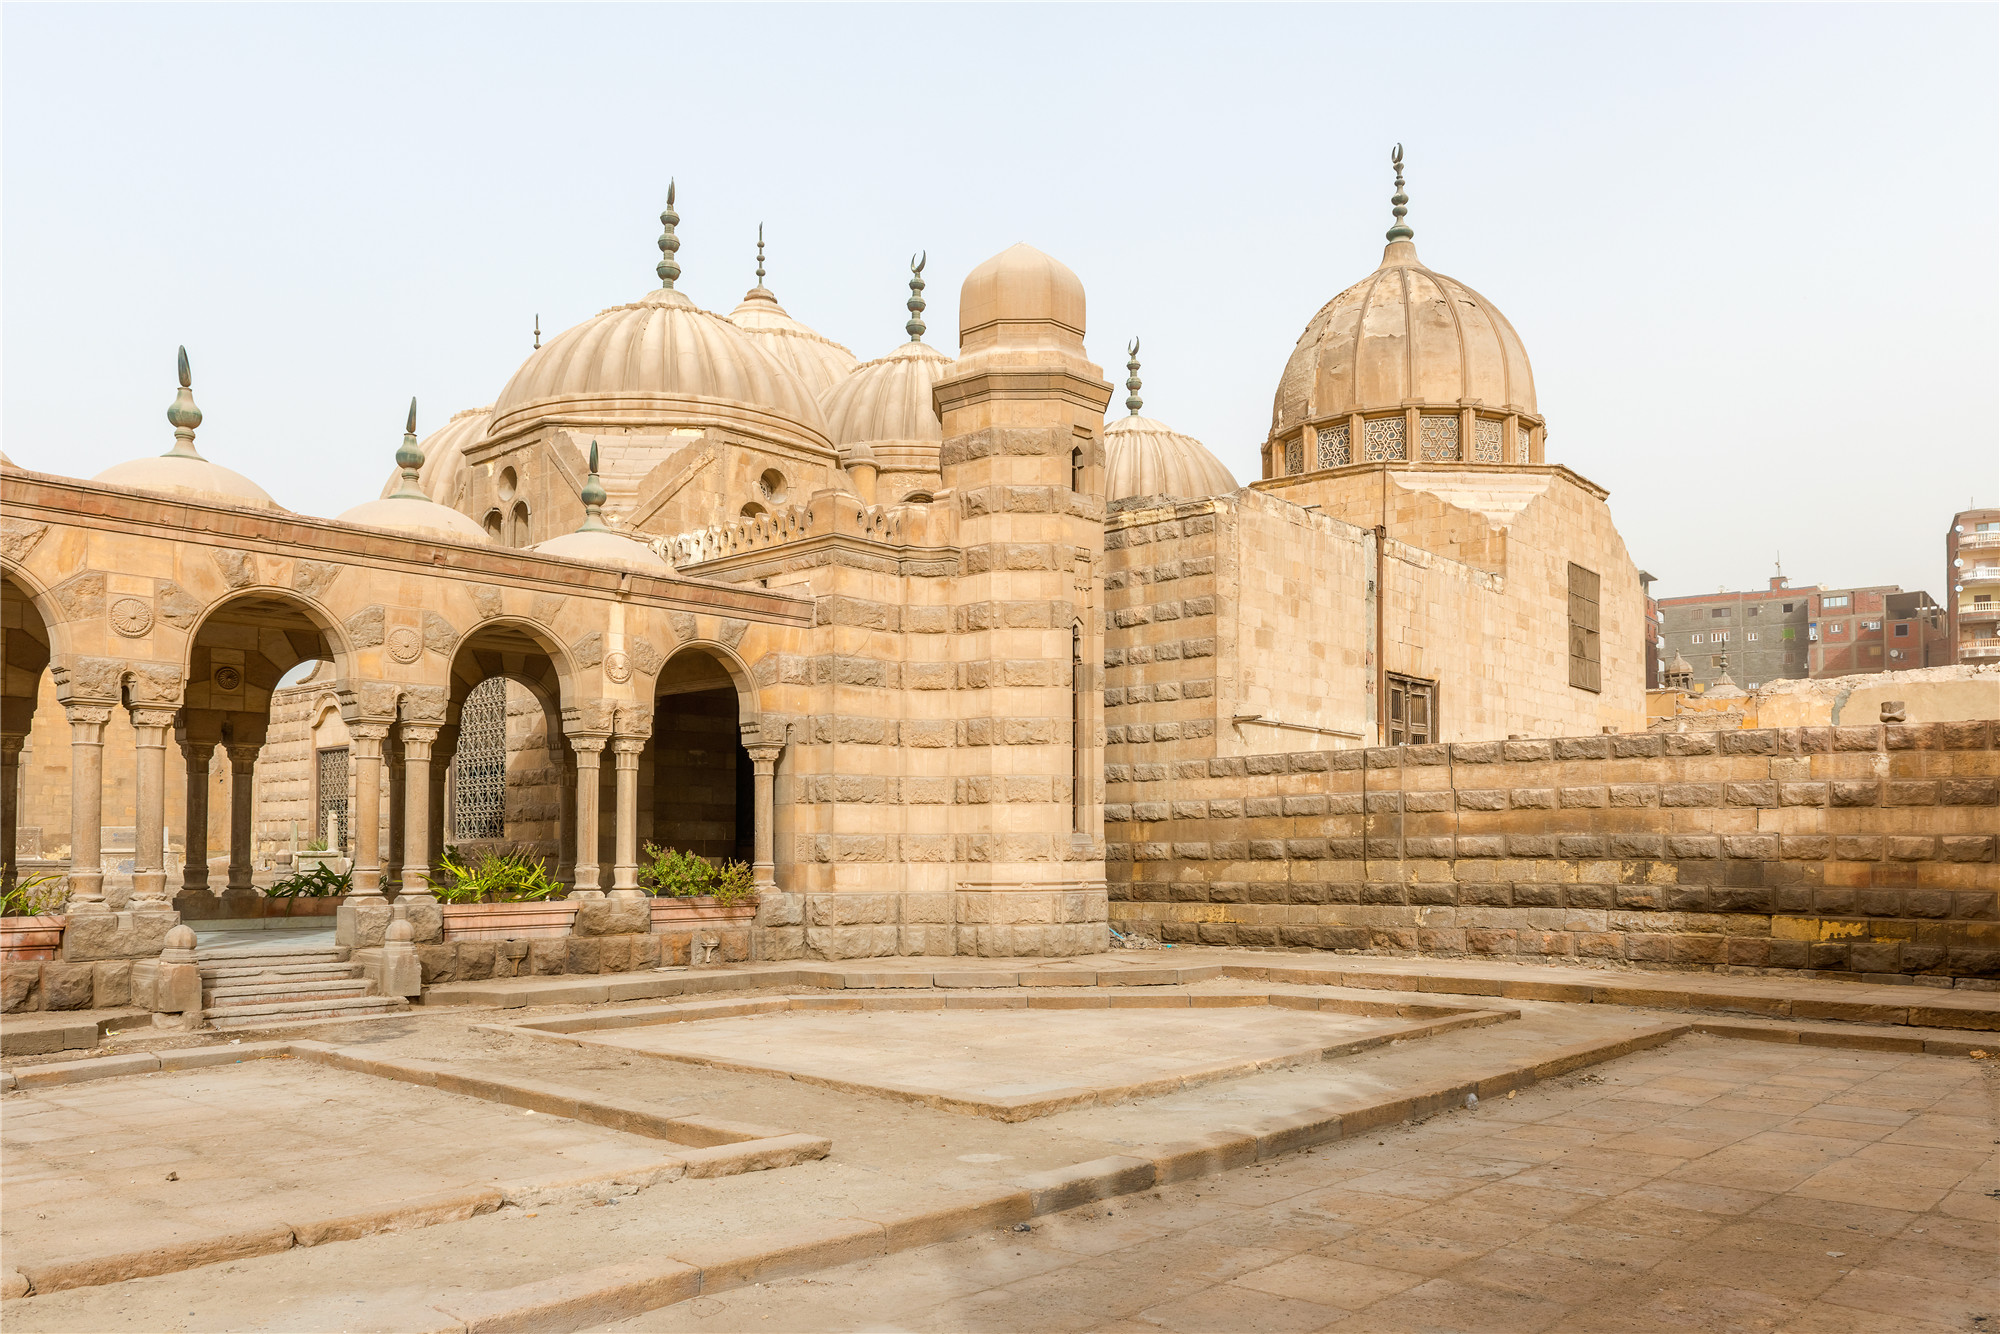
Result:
[{"x": 252, "y": 986}]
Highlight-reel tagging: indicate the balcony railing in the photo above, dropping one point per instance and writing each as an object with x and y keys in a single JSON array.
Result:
[
  {"x": 1979, "y": 574},
  {"x": 1978, "y": 541},
  {"x": 1979, "y": 611},
  {"x": 1982, "y": 650}
]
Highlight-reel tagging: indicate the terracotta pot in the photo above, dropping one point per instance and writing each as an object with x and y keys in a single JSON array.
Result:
[
  {"x": 31, "y": 939},
  {"x": 682, "y": 914},
  {"x": 508, "y": 921}
]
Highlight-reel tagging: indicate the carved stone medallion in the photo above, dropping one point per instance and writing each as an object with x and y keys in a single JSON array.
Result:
[
  {"x": 131, "y": 617},
  {"x": 227, "y": 678},
  {"x": 405, "y": 644},
  {"x": 618, "y": 667}
]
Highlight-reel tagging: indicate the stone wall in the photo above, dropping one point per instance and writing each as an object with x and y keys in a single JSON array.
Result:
[{"x": 1855, "y": 851}]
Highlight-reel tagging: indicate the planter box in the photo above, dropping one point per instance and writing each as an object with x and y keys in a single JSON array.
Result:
[
  {"x": 689, "y": 914},
  {"x": 507, "y": 921},
  {"x": 223, "y": 910},
  {"x": 31, "y": 939}
]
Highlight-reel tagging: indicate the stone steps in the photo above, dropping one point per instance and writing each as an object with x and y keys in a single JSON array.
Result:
[
  {"x": 257, "y": 986},
  {"x": 287, "y": 1012},
  {"x": 302, "y": 971},
  {"x": 260, "y": 993}
]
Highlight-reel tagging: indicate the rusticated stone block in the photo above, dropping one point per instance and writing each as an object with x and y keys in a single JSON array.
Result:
[
  {"x": 1911, "y": 794},
  {"x": 1583, "y": 748},
  {"x": 1748, "y": 951},
  {"x": 1426, "y": 802},
  {"x": 1750, "y": 845},
  {"x": 1634, "y": 794},
  {"x": 1539, "y": 894},
  {"x": 1532, "y": 798},
  {"x": 1306, "y": 849},
  {"x": 612, "y": 917},
  {"x": 1344, "y": 849},
  {"x": 1691, "y": 794},
  {"x": 1267, "y": 850},
  {"x": 1584, "y": 798},
  {"x": 1805, "y": 847},
  {"x": 112, "y": 984},
  {"x": 1432, "y": 893},
  {"x": 1698, "y": 948},
  {"x": 1263, "y": 808},
  {"x": 439, "y": 963},
  {"x": 1857, "y": 848},
  {"x": 1427, "y": 847},
  {"x": 475, "y": 959},
  {"x": 1802, "y": 794},
  {"x": 1478, "y": 941},
  {"x": 1692, "y": 845},
  {"x": 1482, "y": 845},
  {"x": 1600, "y": 945},
  {"x": 1648, "y": 947},
  {"x": 1383, "y": 803},
  {"x": 1857, "y": 738},
  {"x": 1757, "y": 741},
  {"x": 1750, "y": 794},
  {"x": 1476, "y": 752},
  {"x": 1531, "y": 845},
  {"x": 1416, "y": 756},
  {"x": 1309, "y": 805},
  {"x": 1482, "y": 799},
  {"x": 1932, "y": 903},
  {"x": 1628, "y": 846},
  {"x": 1969, "y": 792},
  {"x": 1879, "y": 902},
  {"x": 1382, "y": 892},
  {"x": 1581, "y": 846},
  {"x": 1690, "y": 743},
  {"x": 1788, "y": 954},
  {"x": 1970, "y": 735},
  {"x": 1967, "y": 848},
  {"x": 1910, "y": 849},
  {"x": 68, "y": 986},
  {"x": 1855, "y": 793},
  {"x": 1636, "y": 746},
  {"x": 1527, "y": 752}
]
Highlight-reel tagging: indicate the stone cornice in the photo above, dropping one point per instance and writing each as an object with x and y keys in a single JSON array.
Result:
[{"x": 1274, "y": 485}]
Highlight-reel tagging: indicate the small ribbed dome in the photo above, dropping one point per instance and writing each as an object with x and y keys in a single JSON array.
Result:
[
  {"x": 886, "y": 406},
  {"x": 1144, "y": 457},
  {"x": 604, "y": 548},
  {"x": 1004, "y": 299},
  {"x": 192, "y": 478},
  {"x": 1401, "y": 335},
  {"x": 660, "y": 358},
  {"x": 818, "y": 361},
  {"x": 417, "y": 517},
  {"x": 445, "y": 467}
]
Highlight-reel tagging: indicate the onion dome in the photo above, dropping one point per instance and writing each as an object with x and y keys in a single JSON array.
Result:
[
  {"x": 1407, "y": 335},
  {"x": 183, "y": 472},
  {"x": 816, "y": 359},
  {"x": 444, "y": 469},
  {"x": 884, "y": 411},
  {"x": 408, "y": 509},
  {"x": 1143, "y": 457},
  {"x": 1020, "y": 298},
  {"x": 661, "y": 359},
  {"x": 596, "y": 542}
]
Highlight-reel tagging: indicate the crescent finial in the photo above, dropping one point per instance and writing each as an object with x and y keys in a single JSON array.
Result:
[
  {"x": 187, "y": 376},
  {"x": 917, "y": 262}
]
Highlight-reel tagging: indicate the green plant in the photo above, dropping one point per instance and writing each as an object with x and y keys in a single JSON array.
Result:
[
  {"x": 496, "y": 877},
  {"x": 36, "y": 896},
  {"x": 320, "y": 881},
  {"x": 317, "y": 845},
  {"x": 676, "y": 874}
]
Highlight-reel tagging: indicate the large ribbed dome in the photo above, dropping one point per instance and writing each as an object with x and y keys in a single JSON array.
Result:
[
  {"x": 444, "y": 469},
  {"x": 660, "y": 358},
  {"x": 1401, "y": 335},
  {"x": 818, "y": 361}
]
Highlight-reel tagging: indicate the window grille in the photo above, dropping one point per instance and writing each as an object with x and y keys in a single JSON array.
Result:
[
  {"x": 332, "y": 778},
  {"x": 1335, "y": 448},
  {"x": 1485, "y": 441},
  {"x": 479, "y": 771},
  {"x": 1295, "y": 457},
  {"x": 1439, "y": 439},
  {"x": 1387, "y": 439}
]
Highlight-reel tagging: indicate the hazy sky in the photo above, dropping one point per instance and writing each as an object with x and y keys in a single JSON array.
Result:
[{"x": 1752, "y": 250}]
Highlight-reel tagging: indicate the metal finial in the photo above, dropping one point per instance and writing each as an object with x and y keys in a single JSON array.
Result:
[
  {"x": 593, "y": 499},
  {"x": 411, "y": 460},
  {"x": 1401, "y": 201},
  {"x": 760, "y": 254},
  {"x": 915, "y": 328},
  {"x": 669, "y": 268},
  {"x": 183, "y": 415},
  {"x": 538, "y": 330},
  {"x": 1132, "y": 400}
]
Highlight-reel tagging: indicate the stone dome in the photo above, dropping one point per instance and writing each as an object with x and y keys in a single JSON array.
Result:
[
  {"x": 183, "y": 471},
  {"x": 818, "y": 361},
  {"x": 1401, "y": 335},
  {"x": 661, "y": 357},
  {"x": 886, "y": 408},
  {"x": 445, "y": 467},
  {"x": 606, "y": 548},
  {"x": 1020, "y": 296},
  {"x": 1144, "y": 457},
  {"x": 418, "y": 517}
]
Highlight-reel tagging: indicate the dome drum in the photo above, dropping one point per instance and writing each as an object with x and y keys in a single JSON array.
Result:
[{"x": 1420, "y": 434}]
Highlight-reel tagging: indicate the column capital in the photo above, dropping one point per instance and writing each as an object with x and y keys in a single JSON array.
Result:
[
  {"x": 88, "y": 715},
  {"x": 11, "y": 743},
  {"x": 196, "y": 751},
  {"x": 627, "y": 745},
  {"x": 418, "y": 734},
  {"x": 242, "y": 755},
  {"x": 587, "y": 743},
  {"x": 143, "y": 717},
  {"x": 765, "y": 755}
]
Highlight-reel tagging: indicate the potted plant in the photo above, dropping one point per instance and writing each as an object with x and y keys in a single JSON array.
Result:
[
  {"x": 693, "y": 894},
  {"x": 32, "y": 918},
  {"x": 316, "y": 890},
  {"x": 500, "y": 896}
]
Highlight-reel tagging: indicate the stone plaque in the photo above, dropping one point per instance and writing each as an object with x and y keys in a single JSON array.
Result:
[
  {"x": 131, "y": 617},
  {"x": 405, "y": 644},
  {"x": 618, "y": 667}
]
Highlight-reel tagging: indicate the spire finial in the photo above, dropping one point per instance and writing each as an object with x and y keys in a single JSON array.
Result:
[
  {"x": 760, "y": 254},
  {"x": 1401, "y": 201},
  {"x": 669, "y": 267},
  {"x": 593, "y": 499},
  {"x": 411, "y": 460},
  {"x": 915, "y": 328},
  {"x": 1132, "y": 400},
  {"x": 184, "y": 415},
  {"x": 538, "y": 330}
]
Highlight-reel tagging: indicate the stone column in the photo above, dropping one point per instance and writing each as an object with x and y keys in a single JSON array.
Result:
[
  {"x": 441, "y": 832},
  {"x": 242, "y": 794},
  {"x": 764, "y": 869},
  {"x": 392, "y": 856},
  {"x": 625, "y": 870},
  {"x": 86, "y": 807},
  {"x": 416, "y": 820},
  {"x": 364, "y": 752},
  {"x": 149, "y": 868},
  {"x": 10, "y": 818},
  {"x": 589, "y": 756},
  {"x": 194, "y": 875},
  {"x": 565, "y": 816}
]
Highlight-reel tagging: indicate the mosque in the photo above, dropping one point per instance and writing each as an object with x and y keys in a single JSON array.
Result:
[{"x": 897, "y": 632}]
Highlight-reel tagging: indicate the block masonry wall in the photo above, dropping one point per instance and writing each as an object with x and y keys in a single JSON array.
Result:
[{"x": 1852, "y": 851}]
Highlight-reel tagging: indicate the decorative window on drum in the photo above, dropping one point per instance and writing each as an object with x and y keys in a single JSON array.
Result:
[
  {"x": 1439, "y": 436},
  {"x": 1334, "y": 448},
  {"x": 1485, "y": 441},
  {"x": 479, "y": 771},
  {"x": 1523, "y": 435},
  {"x": 1387, "y": 440},
  {"x": 1295, "y": 457}
]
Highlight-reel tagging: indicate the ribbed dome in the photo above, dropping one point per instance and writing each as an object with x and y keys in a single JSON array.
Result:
[
  {"x": 193, "y": 478},
  {"x": 660, "y": 358},
  {"x": 818, "y": 361},
  {"x": 886, "y": 405},
  {"x": 444, "y": 456},
  {"x": 602, "y": 548},
  {"x": 1403, "y": 334},
  {"x": 419, "y": 518},
  {"x": 1144, "y": 457},
  {"x": 1005, "y": 299}
]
